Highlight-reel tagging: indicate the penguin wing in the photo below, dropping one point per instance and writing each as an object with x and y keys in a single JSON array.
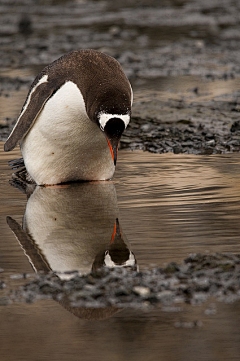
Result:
[
  {"x": 37, "y": 98},
  {"x": 30, "y": 249}
]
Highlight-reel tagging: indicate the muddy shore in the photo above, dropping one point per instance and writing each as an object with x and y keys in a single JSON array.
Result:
[
  {"x": 193, "y": 282},
  {"x": 185, "y": 39},
  {"x": 182, "y": 40}
]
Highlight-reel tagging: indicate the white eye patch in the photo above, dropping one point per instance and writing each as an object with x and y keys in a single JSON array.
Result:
[
  {"x": 110, "y": 264},
  {"x": 104, "y": 118}
]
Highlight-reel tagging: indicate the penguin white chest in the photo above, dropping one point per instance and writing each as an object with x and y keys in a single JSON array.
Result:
[{"x": 64, "y": 144}]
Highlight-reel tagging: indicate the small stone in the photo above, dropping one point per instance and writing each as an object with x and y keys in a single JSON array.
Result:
[
  {"x": 166, "y": 297},
  {"x": 235, "y": 126},
  {"x": 3, "y": 124},
  {"x": 211, "y": 142},
  {"x": 4, "y": 301},
  {"x": 171, "y": 268},
  {"x": 115, "y": 30},
  {"x": 196, "y": 90},
  {"x": 125, "y": 140},
  {"x": 191, "y": 324},
  {"x": 25, "y": 25},
  {"x": 16, "y": 276},
  {"x": 146, "y": 127},
  {"x": 177, "y": 149},
  {"x": 90, "y": 287},
  {"x": 141, "y": 291},
  {"x": 210, "y": 311},
  {"x": 2, "y": 285}
]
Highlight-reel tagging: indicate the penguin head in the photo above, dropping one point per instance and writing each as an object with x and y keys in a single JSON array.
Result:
[
  {"x": 116, "y": 254},
  {"x": 114, "y": 259},
  {"x": 113, "y": 127}
]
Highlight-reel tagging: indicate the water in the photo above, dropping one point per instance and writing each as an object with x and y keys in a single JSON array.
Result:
[
  {"x": 179, "y": 201},
  {"x": 163, "y": 202},
  {"x": 168, "y": 206}
]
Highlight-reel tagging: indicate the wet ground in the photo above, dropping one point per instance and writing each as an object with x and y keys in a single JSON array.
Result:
[
  {"x": 162, "y": 202},
  {"x": 179, "y": 218},
  {"x": 178, "y": 212},
  {"x": 182, "y": 59}
]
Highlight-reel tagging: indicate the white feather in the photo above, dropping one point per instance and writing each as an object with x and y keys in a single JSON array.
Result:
[
  {"x": 64, "y": 144},
  {"x": 110, "y": 264},
  {"x": 65, "y": 226},
  {"x": 131, "y": 95},
  {"x": 104, "y": 118}
]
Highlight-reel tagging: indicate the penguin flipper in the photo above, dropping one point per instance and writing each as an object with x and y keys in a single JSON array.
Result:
[
  {"x": 37, "y": 98},
  {"x": 36, "y": 259}
]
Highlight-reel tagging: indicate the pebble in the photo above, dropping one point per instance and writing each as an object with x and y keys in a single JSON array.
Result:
[
  {"x": 4, "y": 301},
  {"x": 146, "y": 127},
  {"x": 141, "y": 291},
  {"x": 3, "y": 124},
  {"x": 191, "y": 324}
]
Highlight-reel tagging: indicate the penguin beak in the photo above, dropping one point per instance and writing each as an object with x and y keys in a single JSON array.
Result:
[
  {"x": 113, "y": 145},
  {"x": 113, "y": 131},
  {"x": 116, "y": 231}
]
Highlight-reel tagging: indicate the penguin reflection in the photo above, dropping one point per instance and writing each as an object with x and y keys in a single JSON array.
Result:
[{"x": 73, "y": 227}]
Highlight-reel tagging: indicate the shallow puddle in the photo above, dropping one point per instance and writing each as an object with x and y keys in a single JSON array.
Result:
[
  {"x": 184, "y": 202},
  {"x": 163, "y": 202},
  {"x": 168, "y": 206}
]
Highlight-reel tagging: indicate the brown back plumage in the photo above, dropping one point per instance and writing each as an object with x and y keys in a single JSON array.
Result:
[{"x": 100, "y": 78}]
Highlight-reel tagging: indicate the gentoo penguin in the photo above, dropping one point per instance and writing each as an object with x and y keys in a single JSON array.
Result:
[
  {"x": 73, "y": 227},
  {"x": 72, "y": 120}
]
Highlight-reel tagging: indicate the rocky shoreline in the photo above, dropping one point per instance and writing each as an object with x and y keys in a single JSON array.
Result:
[
  {"x": 199, "y": 39},
  {"x": 193, "y": 282},
  {"x": 152, "y": 43}
]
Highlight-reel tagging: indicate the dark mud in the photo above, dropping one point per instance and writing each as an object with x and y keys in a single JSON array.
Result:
[
  {"x": 150, "y": 39},
  {"x": 178, "y": 38},
  {"x": 193, "y": 282},
  {"x": 209, "y": 128}
]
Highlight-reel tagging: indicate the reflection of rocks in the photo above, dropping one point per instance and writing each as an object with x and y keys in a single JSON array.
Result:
[{"x": 73, "y": 228}]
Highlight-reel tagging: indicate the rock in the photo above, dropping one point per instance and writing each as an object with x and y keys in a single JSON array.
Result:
[{"x": 141, "y": 291}]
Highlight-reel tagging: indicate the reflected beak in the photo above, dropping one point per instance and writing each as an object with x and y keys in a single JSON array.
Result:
[{"x": 116, "y": 231}]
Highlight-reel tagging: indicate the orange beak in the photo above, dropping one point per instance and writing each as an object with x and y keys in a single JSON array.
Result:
[
  {"x": 113, "y": 130},
  {"x": 116, "y": 231},
  {"x": 114, "y": 149}
]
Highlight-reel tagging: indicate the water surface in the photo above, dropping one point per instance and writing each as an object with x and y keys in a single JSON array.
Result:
[
  {"x": 187, "y": 202},
  {"x": 168, "y": 206},
  {"x": 165, "y": 201}
]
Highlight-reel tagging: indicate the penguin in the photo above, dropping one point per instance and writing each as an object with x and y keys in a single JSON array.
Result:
[
  {"x": 73, "y": 227},
  {"x": 72, "y": 120}
]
